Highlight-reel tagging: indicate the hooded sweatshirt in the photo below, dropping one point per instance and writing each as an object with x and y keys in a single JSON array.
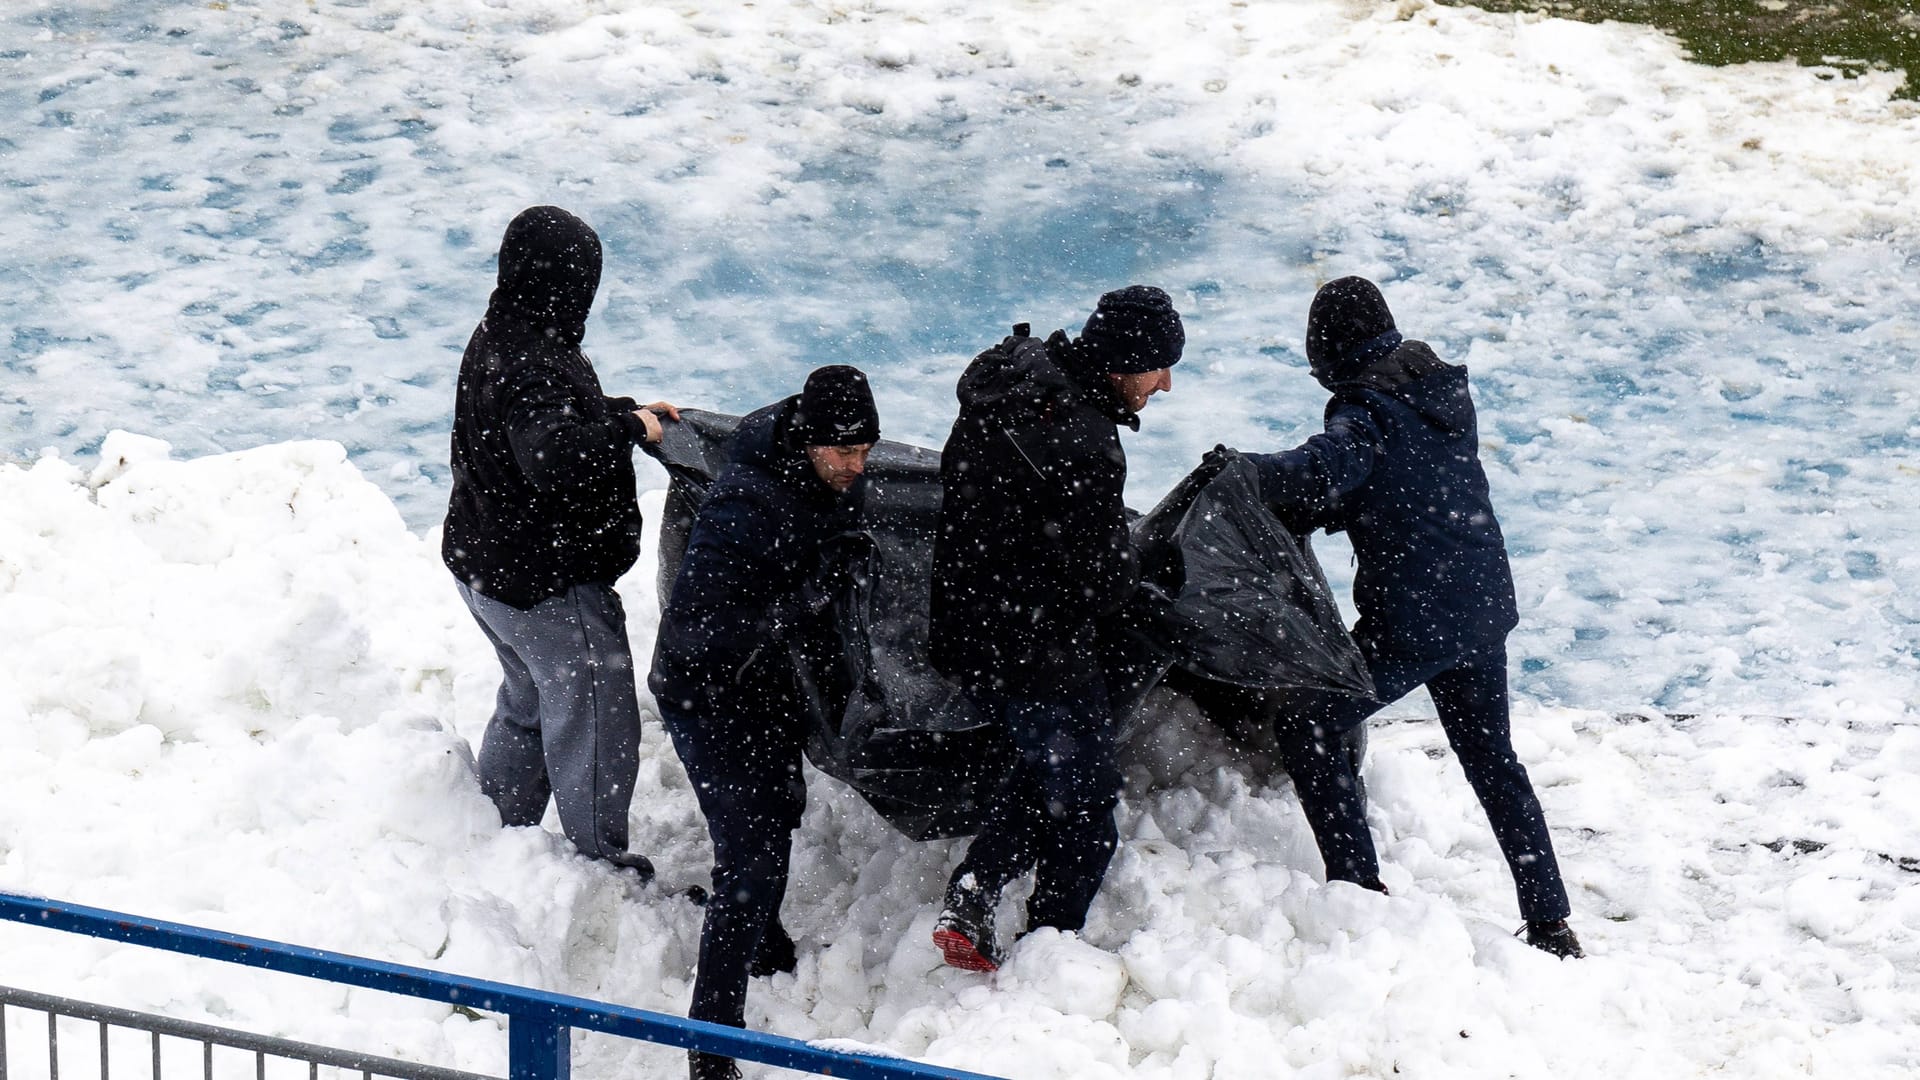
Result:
[
  {"x": 543, "y": 486},
  {"x": 1397, "y": 467}
]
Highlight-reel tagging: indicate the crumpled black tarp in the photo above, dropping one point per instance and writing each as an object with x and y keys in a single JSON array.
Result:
[{"x": 1230, "y": 602}]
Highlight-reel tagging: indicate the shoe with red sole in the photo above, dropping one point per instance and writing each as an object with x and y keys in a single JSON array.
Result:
[{"x": 964, "y": 935}]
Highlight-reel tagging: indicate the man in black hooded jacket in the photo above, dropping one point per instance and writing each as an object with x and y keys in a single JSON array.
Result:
[
  {"x": 541, "y": 522},
  {"x": 746, "y": 620},
  {"x": 1032, "y": 553},
  {"x": 1398, "y": 468}
]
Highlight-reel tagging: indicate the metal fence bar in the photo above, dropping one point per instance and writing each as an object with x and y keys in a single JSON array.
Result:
[
  {"x": 537, "y": 1050},
  {"x": 315, "y": 1055},
  {"x": 519, "y": 1003}
]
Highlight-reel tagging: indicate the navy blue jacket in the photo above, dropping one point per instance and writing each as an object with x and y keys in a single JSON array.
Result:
[
  {"x": 543, "y": 486},
  {"x": 1033, "y": 548},
  {"x": 1398, "y": 468},
  {"x": 747, "y": 590}
]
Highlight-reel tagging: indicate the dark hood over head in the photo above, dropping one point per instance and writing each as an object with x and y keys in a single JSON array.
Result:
[
  {"x": 1348, "y": 328},
  {"x": 549, "y": 270}
]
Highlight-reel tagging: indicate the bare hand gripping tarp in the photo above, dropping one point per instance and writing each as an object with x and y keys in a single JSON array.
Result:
[{"x": 1229, "y": 597}]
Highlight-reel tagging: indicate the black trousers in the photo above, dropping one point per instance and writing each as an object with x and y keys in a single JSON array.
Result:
[
  {"x": 1055, "y": 816},
  {"x": 1470, "y": 693},
  {"x": 746, "y": 775}
]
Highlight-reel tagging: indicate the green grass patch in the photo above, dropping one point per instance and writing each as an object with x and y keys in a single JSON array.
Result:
[{"x": 1846, "y": 37}]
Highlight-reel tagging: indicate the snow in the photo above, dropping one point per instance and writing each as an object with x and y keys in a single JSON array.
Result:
[{"x": 237, "y": 689}]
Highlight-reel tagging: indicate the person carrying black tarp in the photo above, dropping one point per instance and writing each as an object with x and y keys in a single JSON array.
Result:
[
  {"x": 1032, "y": 552},
  {"x": 541, "y": 522},
  {"x": 1398, "y": 468},
  {"x": 748, "y": 603}
]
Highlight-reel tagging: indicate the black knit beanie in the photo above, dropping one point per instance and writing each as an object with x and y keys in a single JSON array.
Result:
[
  {"x": 835, "y": 409},
  {"x": 1133, "y": 330}
]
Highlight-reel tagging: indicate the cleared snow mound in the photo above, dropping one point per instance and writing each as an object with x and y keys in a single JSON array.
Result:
[{"x": 236, "y": 691}]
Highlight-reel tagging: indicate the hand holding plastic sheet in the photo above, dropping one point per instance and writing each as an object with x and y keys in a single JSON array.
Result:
[{"x": 1255, "y": 605}]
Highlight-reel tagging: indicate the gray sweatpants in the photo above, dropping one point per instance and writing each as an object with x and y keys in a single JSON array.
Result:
[{"x": 566, "y": 723}]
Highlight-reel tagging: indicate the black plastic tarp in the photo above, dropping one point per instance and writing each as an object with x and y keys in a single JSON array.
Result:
[{"x": 1231, "y": 602}]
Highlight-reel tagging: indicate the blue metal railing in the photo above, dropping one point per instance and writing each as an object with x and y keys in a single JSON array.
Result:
[{"x": 538, "y": 1022}]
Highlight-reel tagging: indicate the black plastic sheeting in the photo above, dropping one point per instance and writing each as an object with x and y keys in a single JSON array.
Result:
[{"x": 1233, "y": 610}]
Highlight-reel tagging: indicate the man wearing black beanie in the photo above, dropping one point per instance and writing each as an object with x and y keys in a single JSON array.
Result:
[
  {"x": 1032, "y": 552},
  {"x": 747, "y": 600}
]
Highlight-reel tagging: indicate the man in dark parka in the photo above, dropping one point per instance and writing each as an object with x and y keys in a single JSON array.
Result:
[
  {"x": 1031, "y": 554},
  {"x": 541, "y": 522},
  {"x": 1398, "y": 468},
  {"x": 747, "y": 607}
]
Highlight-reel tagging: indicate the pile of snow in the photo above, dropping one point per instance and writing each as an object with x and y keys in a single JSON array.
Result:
[{"x": 236, "y": 691}]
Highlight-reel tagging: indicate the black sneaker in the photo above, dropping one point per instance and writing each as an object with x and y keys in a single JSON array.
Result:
[
  {"x": 776, "y": 954},
  {"x": 964, "y": 933},
  {"x": 639, "y": 865},
  {"x": 1554, "y": 937}
]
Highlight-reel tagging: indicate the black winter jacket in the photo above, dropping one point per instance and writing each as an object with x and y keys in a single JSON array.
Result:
[
  {"x": 1032, "y": 549},
  {"x": 1398, "y": 467},
  {"x": 543, "y": 484},
  {"x": 749, "y": 592}
]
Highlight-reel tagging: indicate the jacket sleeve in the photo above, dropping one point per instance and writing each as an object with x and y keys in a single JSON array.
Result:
[
  {"x": 723, "y": 603},
  {"x": 556, "y": 444},
  {"x": 1306, "y": 484},
  {"x": 622, "y": 410}
]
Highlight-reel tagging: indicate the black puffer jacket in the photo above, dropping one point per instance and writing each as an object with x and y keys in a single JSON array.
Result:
[
  {"x": 1032, "y": 548},
  {"x": 749, "y": 594},
  {"x": 1397, "y": 467},
  {"x": 543, "y": 485}
]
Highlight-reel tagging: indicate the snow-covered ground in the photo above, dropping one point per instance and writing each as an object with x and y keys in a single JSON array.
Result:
[{"x": 237, "y": 690}]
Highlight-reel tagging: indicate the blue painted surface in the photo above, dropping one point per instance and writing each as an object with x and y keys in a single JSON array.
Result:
[{"x": 538, "y": 1050}]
